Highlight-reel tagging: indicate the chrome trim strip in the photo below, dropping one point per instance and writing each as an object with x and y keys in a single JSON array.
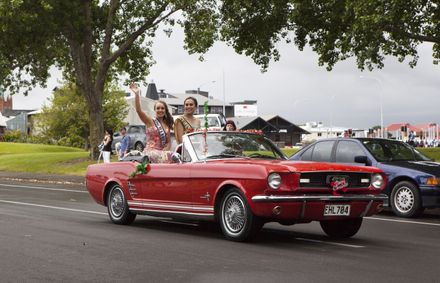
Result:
[
  {"x": 272, "y": 198},
  {"x": 170, "y": 206},
  {"x": 171, "y": 211}
]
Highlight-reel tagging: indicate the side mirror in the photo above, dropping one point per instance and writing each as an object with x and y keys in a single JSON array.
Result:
[
  {"x": 176, "y": 158},
  {"x": 361, "y": 159}
]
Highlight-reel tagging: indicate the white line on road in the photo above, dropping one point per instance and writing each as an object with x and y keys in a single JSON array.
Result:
[
  {"x": 42, "y": 188},
  {"x": 329, "y": 243},
  {"x": 403, "y": 221},
  {"x": 53, "y": 207}
]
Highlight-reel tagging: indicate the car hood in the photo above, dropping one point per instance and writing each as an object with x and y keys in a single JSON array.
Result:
[
  {"x": 302, "y": 166},
  {"x": 429, "y": 167}
]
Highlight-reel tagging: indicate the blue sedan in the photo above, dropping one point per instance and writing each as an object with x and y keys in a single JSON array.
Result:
[{"x": 413, "y": 179}]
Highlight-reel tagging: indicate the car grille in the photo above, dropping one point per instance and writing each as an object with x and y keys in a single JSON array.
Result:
[{"x": 323, "y": 179}]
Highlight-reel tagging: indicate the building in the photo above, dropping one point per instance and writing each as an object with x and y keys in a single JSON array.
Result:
[
  {"x": 176, "y": 101},
  {"x": 16, "y": 119},
  {"x": 279, "y": 130},
  {"x": 3, "y": 126},
  {"x": 287, "y": 132},
  {"x": 405, "y": 131},
  {"x": 318, "y": 131},
  {"x": 245, "y": 108}
]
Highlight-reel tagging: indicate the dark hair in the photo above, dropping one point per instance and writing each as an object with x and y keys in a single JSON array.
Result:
[
  {"x": 123, "y": 128},
  {"x": 110, "y": 131},
  {"x": 230, "y": 122},
  {"x": 168, "y": 118},
  {"x": 193, "y": 99}
]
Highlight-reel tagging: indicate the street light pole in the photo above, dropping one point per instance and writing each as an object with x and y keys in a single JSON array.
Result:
[
  {"x": 295, "y": 102},
  {"x": 331, "y": 115},
  {"x": 205, "y": 83},
  {"x": 224, "y": 99},
  {"x": 382, "y": 133}
]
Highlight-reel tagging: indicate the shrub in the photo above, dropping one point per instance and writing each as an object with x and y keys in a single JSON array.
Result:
[
  {"x": 13, "y": 136},
  {"x": 75, "y": 141}
]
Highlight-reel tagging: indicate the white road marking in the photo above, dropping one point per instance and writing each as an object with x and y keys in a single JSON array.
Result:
[
  {"x": 403, "y": 221},
  {"x": 52, "y": 207},
  {"x": 329, "y": 243},
  {"x": 43, "y": 188}
]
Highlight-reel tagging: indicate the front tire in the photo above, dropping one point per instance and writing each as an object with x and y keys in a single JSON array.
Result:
[
  {"x": 237, "y": 221},
  {"x": 117, "y": 207},
  {"x": 405, "y": 200},
  {"x": 341, "y": 229}
]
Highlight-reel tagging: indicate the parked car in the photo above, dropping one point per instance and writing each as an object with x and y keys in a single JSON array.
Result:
[
  {"x": 137, "y": 136},
  {"x": 413, "y": 179},
  {"x": 241, "y": 181}
]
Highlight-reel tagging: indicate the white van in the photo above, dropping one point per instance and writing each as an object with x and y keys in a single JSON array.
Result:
[{"x": 216, "y": 122}]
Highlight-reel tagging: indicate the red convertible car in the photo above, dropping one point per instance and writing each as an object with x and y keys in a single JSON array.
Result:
[{"x": 240, "y": 180}]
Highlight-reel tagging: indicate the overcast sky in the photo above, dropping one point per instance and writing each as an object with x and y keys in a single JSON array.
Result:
[{"x": 295, "y": 87}]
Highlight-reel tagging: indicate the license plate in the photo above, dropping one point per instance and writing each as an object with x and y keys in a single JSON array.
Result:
[{"x": 337, "y": 209}]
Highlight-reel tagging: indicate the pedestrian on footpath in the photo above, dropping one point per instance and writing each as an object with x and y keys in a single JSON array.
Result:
[
  {"x": 125, "y": 144},
  {"x": 107, "y": 142}
]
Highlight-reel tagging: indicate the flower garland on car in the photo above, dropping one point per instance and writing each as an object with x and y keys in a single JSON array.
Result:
[{"x": 141, "y": 169}]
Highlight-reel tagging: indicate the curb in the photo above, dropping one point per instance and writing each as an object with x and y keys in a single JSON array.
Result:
[{"x": 42, "y": 178}]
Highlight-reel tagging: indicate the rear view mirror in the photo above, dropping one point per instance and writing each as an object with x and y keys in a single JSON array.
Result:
[{"x": 361, "y": 159}]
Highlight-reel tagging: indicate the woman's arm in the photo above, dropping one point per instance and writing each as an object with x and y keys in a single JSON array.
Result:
[
  {"x": 168, "y": 144},
  {"x": 178, "y": 131},
  {"x": 144, "y": 117},
  {"x": 106, "y": 140}
]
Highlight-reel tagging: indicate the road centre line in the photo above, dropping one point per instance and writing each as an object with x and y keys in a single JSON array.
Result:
[
  {"x": 403, "y": 221},
  {"x": 42, "y": 188},
  {"x": 52, "y": 207},
  {"x": 329, "y": 243}
]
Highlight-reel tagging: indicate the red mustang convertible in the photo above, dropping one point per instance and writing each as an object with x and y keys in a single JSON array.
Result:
[{"x": 240, "y": 180}]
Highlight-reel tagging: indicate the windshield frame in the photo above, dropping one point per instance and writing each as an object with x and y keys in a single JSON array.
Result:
[{"x": 198, "y": 156}]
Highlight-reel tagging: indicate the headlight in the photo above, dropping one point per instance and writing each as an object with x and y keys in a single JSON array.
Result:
[
  {"x": 377, "y": 181},
  {"x": 274, "y": 181}
]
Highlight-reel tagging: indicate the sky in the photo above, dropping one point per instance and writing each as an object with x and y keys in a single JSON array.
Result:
[{"x": 295, "y": 87}]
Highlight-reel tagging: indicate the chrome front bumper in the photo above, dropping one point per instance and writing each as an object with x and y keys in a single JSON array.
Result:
[{"x": 299, "y": 198}]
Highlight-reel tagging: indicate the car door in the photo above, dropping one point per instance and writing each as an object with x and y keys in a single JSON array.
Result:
[
  {"x": 166, "y": 187},
  {"x": 347, "y": 150}
]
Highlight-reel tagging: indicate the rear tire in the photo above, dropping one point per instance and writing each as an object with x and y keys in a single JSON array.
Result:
[
  {"x": 341, "y": 229},
  {"x": 117, "y": 207},
  {"x": 139, "y": 146},
  {"x": 237, "y": 221},
  {"x": 406, "y": 200}
]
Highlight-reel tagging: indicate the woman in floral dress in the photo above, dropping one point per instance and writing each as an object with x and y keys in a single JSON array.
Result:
[{"x": 157, "y": 129}]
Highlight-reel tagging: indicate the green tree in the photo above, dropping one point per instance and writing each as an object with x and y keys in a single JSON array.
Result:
[
  {"x": 65, "y": 119},
  {"x": 336, "y": 29},
  {"x": 94, "y": 41}
]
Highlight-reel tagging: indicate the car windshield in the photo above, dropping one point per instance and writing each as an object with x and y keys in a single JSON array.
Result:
[
  {"x": 232, "y": 145},
  {"x": 387, "y": 150}
]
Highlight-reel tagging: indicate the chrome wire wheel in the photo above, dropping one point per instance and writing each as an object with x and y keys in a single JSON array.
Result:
[
  {"x": 117, "y": 203},
  {"x": 404, "y": 199},
  {"x": 234, "y": 214}
]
